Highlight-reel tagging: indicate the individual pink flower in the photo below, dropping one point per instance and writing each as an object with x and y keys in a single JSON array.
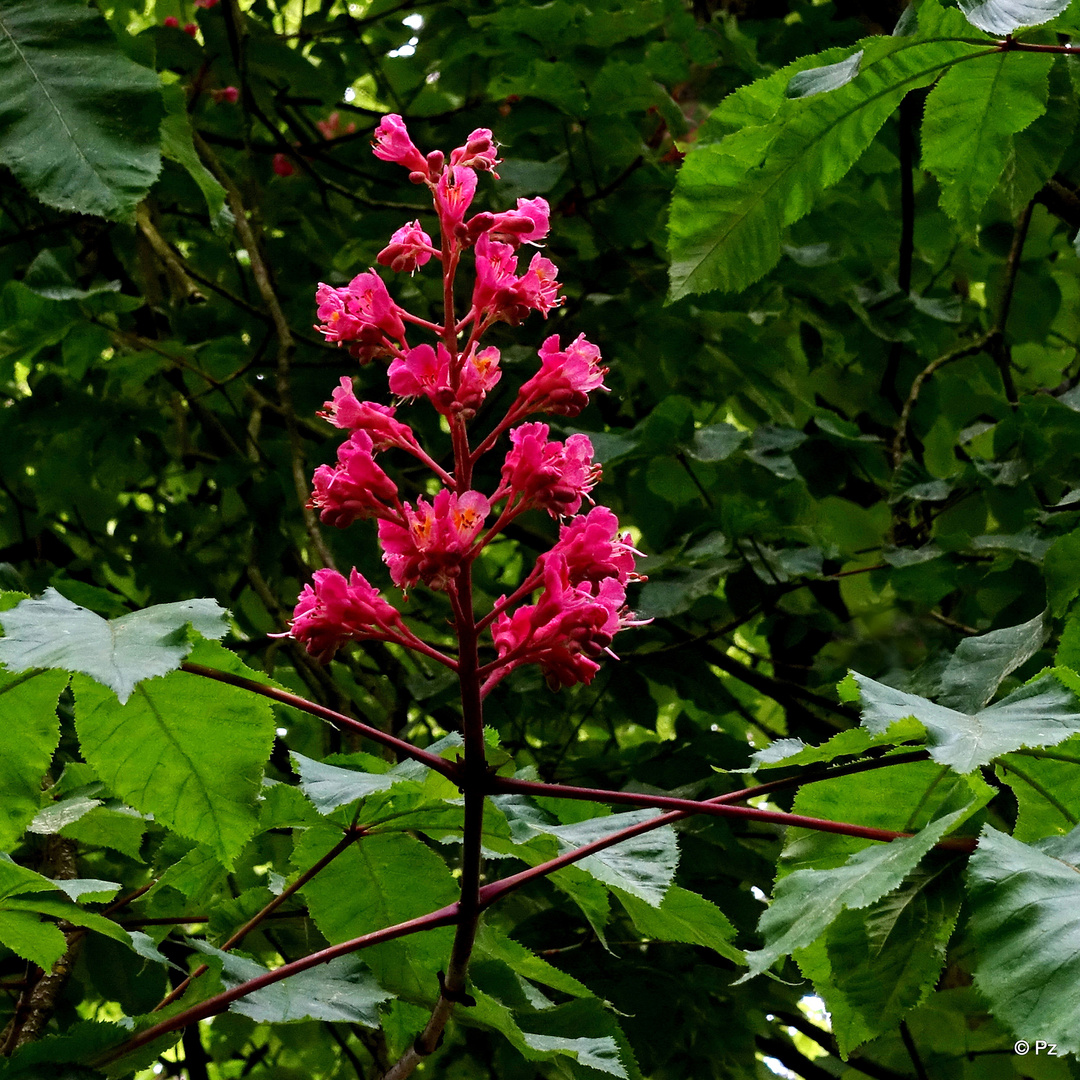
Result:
[
  {"x": 356, "y": 487},
  {"x": 496, "y": 270},
  {"x": 361, "y": 315},
  {"x": 409, "y": 248},
  {"x": 333, "y": 611},
  {"x": 191, "y": 29},
  {"x": 282, "y": 166},
  {"x": 228, "y": 94},
  {"x": 392, "y": 143},
  {"x": 565, "y": 379},
  {"x": 478, "y": 375},
  {"x": 529, "y": 223},
  {"x": 478, "y": 152},
  {"x": 344, "y": 410},
  {"x": 539, "y": 471},
  {"x": 566, "y": 630},
  {"x": 435, "y": 538},
  {"x": 453, "y": 195},
  {"x": 592, "y": 549},
  {"x": 537, "y": 289},
  {"x": 424, "y": 371},
  {"x": 171, "y": 21}
]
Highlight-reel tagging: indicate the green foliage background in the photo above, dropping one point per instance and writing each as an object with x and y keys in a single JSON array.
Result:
[{"x": 843, "y": 420}]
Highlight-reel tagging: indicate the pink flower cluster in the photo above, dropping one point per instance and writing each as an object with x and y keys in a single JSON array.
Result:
[{"x": 580, "y": 583}]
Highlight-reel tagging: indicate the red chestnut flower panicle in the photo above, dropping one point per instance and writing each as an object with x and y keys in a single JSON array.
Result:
[{"x": 566, "y": 612}]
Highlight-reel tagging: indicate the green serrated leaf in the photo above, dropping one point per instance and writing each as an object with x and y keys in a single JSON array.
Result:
[
  {"x": 807, "y": 902},
  {"x": 330, "y": 787},
  {"x": 177, "y": 144},
  {"x": 1047, "y": 789},
  {"x": 876, "y": 964},
  {"x": 971, "y": 116},
  {"x": 52, "y": 632},
  {"x": 854, "y": 741},
  {"x": 642, "y": 865},
  {"x": 684, "y": 916},
  {"x": 379, "y": 881},
  {"x": 79, "y": 119},
  {"x": 153, "y": 753},
  {"x": 734, "y": 197},
  {"x": 28, "y": 736},
  {"x": 977, "y": 668},
  {"x": 341, "y": 990},
  {"x": 1042, "y": 713},
  {"x": 1025, "y": 921}
]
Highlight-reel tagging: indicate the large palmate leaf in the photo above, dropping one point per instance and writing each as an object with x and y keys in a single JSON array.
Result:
[
  {"x": 78, "y": 119},
  {"x": 1025, "y": 919},
  {"x": 341, "y": 990},
  {"x": 806, "y": 902},
  {"x": 1045, "y": 783},
  {"x": 186, "y": 749},
  {"x": 1042, "y": 713},
  {"x": 53, "y": 632},
  {"x": 1005, "y": 16},
  {"x": 970, "y": 119},
  {"x": 734, "y": 197},
  {"x": 28, "y": 737}
]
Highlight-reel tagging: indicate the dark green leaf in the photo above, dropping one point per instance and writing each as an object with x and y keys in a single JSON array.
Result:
[
  {"x": 1025, "y": 920},
  {"x": 79, "y": 119},
  {"x": 734, "y": 197},
  {"x": 329, "y": 786},
  {"x": 52, "y": 632},
  {"x": 977, "y": 668},
  {"x": 684, "y": 916}
]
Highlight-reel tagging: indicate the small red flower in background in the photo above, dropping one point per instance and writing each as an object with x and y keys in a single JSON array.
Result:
[{"x": 282, "y": 165}]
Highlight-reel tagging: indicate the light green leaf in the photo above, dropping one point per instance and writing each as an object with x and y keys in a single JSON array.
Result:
[
  {"x": 684, "y": 916},
  {"x": 52, "y": 632},
  {"x": 854, "y": 741},
  {"x": 493, "y": 944},
  {"x": 341, "y": 990},
  {"x": 874, "y": 965},
  {"x": 1042, "y": 713},
  {"x": 971, "y": 116},
  {"x": 186, "y": 749},
  {"x": 1025, "y": 921},
  {"x": 1047, "y": 789},
  {"x": 330, "y": 787},
  {"x": 977, "y": 668},
  {"x": 28, "y": 736},
  {"x": 378, "y": 881},
  {"x": 24, "y": 933},
  {"x": 1005, "y": 16},
  {"x": 1062, "y": 569},
  {"x": 734, "y": 197},
  {"x": 642, "y": 865},
  {"x": 177, "y": 144},
  {"x": 806, "y": 902},
  {"x": 79, "y": 119}
]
